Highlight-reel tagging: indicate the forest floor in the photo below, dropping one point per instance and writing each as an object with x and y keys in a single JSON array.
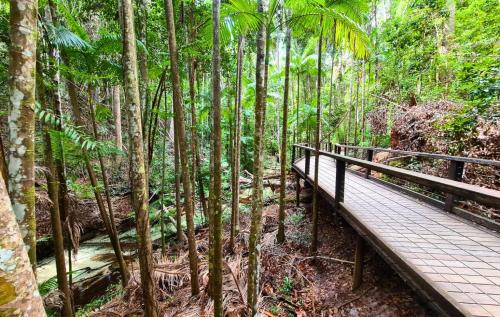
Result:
[{"x": 292, "y": 283}]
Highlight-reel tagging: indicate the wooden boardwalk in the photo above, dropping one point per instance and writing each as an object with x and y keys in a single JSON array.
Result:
[{"x": 452, "y": 262}]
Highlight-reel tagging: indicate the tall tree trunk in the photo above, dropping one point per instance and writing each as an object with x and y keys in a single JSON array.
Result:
[
  {"x": 3, "y": 164},
  {"x": 20, "y": 296},
  {"x": 179, "y": 122},
  {"x": 215, "y": 207},
  {"x": 356, "y": 109},
  {"x": 178, "y": 205},
  {"x": 314, "y": 240},
  {"x": 22, "y": 66},
  {"x": 55, "y": 217},
  {"x": 195, "y": 151},
  {"x": 298, "y": 108},
  {"x": 363, "y": 103},
  {"x": 257, "y": 183},
  {"x": 138, "y": 174},
  {"x": 118, "y": 117},
  {"x": 281, "y": 226},
  {"x": 235, "y": 197},
  {"x": 106, "y": 218},
  {"x": 350, "y": 107}
]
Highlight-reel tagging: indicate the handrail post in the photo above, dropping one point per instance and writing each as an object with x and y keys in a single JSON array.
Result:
[
  {"x": 369, "y": 157},
  {"x": 308, "y": 160},
  {"x": 293, "y": 154},
  {"x": 330, "y": 146},
  {"x": 455, "y": 172},
  {"x": 339, "y": 183}
]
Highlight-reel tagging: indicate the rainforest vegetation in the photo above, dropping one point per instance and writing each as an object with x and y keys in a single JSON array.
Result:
[{"x": 146, "y": 145}]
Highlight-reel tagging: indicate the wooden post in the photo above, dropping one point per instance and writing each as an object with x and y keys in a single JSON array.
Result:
[
  {"x": 369, "y": 157},
  {"x": 357, "y": 276},
  {"x": 455, "y": 172},
  {"x": 293, "y": 154},
  {"x": 339, "y": 183},
  {"x": 330, "y": 146},
  {"x": 308, "y": 160}
]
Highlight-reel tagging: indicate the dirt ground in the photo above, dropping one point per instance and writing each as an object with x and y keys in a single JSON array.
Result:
[
  {"x": 292, "y": 284},
  {"x": 303, "y": 287}
]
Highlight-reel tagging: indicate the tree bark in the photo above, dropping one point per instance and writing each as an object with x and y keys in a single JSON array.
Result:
[
  {"x": 215, "y": 207},
  {"x": 138, "y": 174},
  {"x": 117, "y": 114},
  {"x": 184, "y": 161},
  {"x": 235, "y": 172},
  {"x": 281, "y": 224},
  {"x": 314, "y": 240},
  {"x": 22, "y": 66},
  {"x": 20, "y": 296},
  {"x": 3, "y": 164},
  {"x": 257, "y": 184}
]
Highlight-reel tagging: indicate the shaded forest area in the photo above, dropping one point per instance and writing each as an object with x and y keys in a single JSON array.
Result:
[{"x": 145, "y": 147}]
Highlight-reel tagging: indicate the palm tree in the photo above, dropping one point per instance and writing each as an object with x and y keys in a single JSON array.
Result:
[
  {"x": 257, "y": 183},
  {"x": 137, "y": 160},
  {"x": 22, "y": 61},
  {"x": 281, "y": 227},
  {"x": 215, "y": 207},
  {"x": 340, "y": 21}
]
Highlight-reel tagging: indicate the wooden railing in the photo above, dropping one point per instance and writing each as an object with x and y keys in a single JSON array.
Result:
[
  {"x": 485, "y": 196},
  {"x": 455, "y": 169}
]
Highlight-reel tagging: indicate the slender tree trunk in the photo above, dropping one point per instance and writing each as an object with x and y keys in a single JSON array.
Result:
[
  {"x": 356, "y": 109},
  {"x": 281, "y": 226},
  {"x": 22, "y": 66},
  {"x": 179, "y": 122},
  {"x": 215, "y": 207},
  {"x": 163, "y": 168},
  {"x": 118, "y": 117},
  {"x": 3, "y": 164},
  {"x": 57, "y": 234},
  {"x": 363, "y": 103},
  {"x": 257, "y": 183},
  {"x": 20, "y": 296},
  {"x": 178, "y": 205},
  {"x": 107, "y": 219},
  {"x": 235, "y": 197},
  {"x": 314, "y": 240},
  {"x": 350, "y": 107},
  {"x": 137, "y": 160},
  {"x": 298, "y": 108},
  {"x": 195, "y": 151}
]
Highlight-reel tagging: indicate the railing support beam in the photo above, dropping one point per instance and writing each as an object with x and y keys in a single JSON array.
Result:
[
  {"x": 369, "y": 157},
  {"x": 308, "y": 161},
  {"x": 339, "y": 183},
  {"x": 455, "y": 172},
  {"x": 357, "y": 276}
]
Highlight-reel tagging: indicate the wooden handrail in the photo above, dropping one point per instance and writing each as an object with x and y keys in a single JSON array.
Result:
[
  {"x": 482, "y": 195},
  {"x": 425, "y": 154}
]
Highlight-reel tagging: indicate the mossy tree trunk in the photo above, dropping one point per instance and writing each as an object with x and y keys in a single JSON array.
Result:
[
  {"x": 257, "y": 183},
  {"x": 235, "y": 172},
  {"x": 181, "y": 137},
  {"x": 281, "y": 225},
  {"x": 138, "y": 175},
  {"x": 20, "y": 296},
  {"x": 22, "y": 67}
]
